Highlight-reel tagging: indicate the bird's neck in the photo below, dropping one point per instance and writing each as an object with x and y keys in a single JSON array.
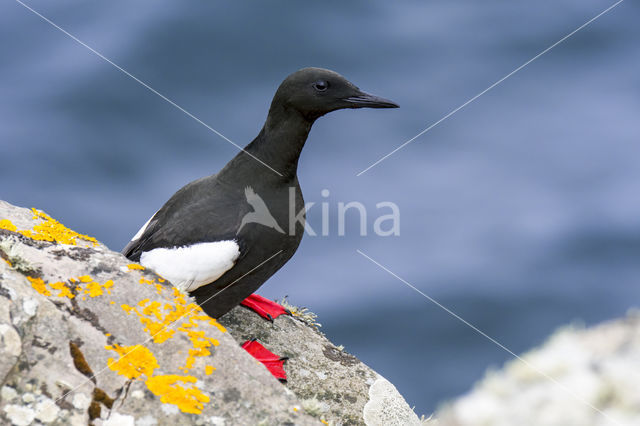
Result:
[
  {"x": 277, "y": 147},
  {"x": 281, "y": 140}
]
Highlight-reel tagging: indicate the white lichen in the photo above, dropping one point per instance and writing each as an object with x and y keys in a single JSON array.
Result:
[
  {"x": 387, "y": 407},
  {"x": 117, "y": 419},
  {"x": 30, "y": 306},
  {"x": 19, "y": 415},
  {"x": 28, "y": 397},
  {"x": 7, "y": 393},
  {"x": 314, "y": 407},
  {"x": 46, "y": 410},
  {"x": 15, "y": 256},
  {"x": 81, "y": 401},
  {"x": 217, "y": 421},
  {"x": 169, "y": 409},
  {"x": 10, "y": 342},
  {"x": 302, "y": 313},
  {"x": 147, "y": 420}
]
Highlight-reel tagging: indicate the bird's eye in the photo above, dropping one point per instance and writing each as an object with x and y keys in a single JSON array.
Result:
[{"x": 320, "y": 85}]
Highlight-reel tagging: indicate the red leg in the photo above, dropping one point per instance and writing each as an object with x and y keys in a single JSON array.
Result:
[
  {"x": 273, "y": 362},
  {"x": 264, "y": 307}
]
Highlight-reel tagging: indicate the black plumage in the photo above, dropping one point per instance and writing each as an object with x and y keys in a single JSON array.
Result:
[{"x": 212, "y": 208}]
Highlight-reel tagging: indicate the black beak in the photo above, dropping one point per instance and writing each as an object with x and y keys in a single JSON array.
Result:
[{"x": 365, "y": 100}]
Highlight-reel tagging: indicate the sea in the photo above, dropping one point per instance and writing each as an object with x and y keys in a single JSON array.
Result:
[{"x": 518, "y": 207}]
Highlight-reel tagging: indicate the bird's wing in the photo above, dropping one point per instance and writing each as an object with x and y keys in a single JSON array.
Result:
[{"x": 199, "y": 212}]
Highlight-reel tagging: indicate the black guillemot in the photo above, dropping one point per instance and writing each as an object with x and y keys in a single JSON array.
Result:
[{"x": 221, "y": 237}]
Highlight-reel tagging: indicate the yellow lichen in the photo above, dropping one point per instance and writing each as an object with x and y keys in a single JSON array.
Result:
[
  {"x": 94, "y": 289},
  {"x": 134, "y": 361},
  {"x": 64, "y": 290},
  {"x": 91, "y": 287},
  {"x": 52, "y": 230},
  {"x": 146, "y": 281},
  {"x": 188, "y": 400},
  {"x": 158, "y": 318},
  {"x": 6, "y": 224},
  {"x": 39, "y": 285}
]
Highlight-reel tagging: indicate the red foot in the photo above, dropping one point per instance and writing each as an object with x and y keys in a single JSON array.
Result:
[
  {"x": 264, "y": 307},
  {"x": 273, "y": 362}
]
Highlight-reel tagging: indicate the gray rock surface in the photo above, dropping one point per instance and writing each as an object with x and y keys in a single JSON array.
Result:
[
  {"x": 83, "y": 340},
  {"x": 330, "y": 383},
  {"x": 596, "y": 381}
]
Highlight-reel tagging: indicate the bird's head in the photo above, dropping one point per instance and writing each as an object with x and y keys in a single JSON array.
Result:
[{"x": 316, "y": 91}]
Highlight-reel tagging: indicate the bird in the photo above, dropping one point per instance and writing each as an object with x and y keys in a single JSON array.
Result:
[{"x": 220, "y": 237}]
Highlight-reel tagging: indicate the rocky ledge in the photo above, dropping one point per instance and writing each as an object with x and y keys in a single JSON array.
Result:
[{"x": 87, "y": 337}]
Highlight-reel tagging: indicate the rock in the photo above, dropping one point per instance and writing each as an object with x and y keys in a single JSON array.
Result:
[
  {"x": 88, "y": 337},
  {"x": 592, "y": 378},
  {"x": 331, "y": 384},
  {"x": 386, "y": 406}
]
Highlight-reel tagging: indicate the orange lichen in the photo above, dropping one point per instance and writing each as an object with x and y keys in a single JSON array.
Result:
[
  {"x": 94, "y": 289},
  {"x": 157, "y": 317},
  {"x": 146, "y": 281},
  {"x": 134, "y": 361},
  {"x": 52, "y": 230},
  {"x": 39, "y": 285},
  {"x": 64, "y": 290},
  {"x": 188, "y": 400},
  {"x": 91, "y": 287}
]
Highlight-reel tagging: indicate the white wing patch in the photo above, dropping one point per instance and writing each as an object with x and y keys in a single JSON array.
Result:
[
  {"x": 141, "y": 230},
  {"x": 192, "y": 266}
]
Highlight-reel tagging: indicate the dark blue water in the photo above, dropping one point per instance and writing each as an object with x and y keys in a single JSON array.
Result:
[{"x": 520, "y": 213}]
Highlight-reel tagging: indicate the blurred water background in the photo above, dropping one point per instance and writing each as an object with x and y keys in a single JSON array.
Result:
[{"x": 520, "y": 213}]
